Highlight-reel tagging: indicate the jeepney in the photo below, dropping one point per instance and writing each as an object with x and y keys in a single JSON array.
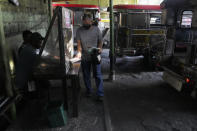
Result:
[
  {"x": 138, "y": 31},
  {"x": 180, "y": 54}
]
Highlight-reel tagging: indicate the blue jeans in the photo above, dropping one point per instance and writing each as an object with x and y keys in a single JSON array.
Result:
[{"x": 86, "y": 69}]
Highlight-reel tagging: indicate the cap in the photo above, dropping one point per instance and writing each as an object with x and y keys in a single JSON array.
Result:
[
  {"x": 87, "y": 16},
  {"x": 36, "y": 36}
]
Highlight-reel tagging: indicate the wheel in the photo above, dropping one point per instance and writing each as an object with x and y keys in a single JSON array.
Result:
[{"x": 148, "y": 61}]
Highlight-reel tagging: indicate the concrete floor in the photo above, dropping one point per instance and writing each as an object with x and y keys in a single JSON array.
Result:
[
  {"x": 33, "y": 116},
  {"x": 138, "y": 100}
]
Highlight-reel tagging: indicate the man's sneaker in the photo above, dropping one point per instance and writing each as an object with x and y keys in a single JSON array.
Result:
[{"x": 100, "y": 98}]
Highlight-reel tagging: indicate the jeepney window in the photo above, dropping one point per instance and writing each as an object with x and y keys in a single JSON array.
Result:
[
  {"x": 155, "y": 19},
  {"x": 186, "y": 21},
  {"x": 78, "y": 18}
]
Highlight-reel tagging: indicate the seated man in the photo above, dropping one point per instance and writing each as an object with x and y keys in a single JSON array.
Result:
[
  {"x": 26, "y": 39},
  {"x": 27, "y": 61}
]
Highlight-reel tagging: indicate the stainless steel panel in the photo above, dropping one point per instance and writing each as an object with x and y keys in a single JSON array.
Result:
[{"x": 173, "y": 81}]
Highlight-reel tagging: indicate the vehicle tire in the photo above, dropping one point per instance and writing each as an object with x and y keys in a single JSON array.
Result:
[
  {"x": 148, "y": 61},
  {"x": 186, "y": 92}
]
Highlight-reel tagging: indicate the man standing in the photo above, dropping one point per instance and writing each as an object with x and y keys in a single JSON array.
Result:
[{"x": 89, "y": 37}]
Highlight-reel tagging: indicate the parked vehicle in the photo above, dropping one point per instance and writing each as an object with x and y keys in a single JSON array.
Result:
[
  {"x": 180, "y": 59},
  {"x": 138, "y": 30}
]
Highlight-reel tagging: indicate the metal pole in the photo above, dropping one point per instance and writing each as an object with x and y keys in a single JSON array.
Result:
[{"x": 112, "y": 71}]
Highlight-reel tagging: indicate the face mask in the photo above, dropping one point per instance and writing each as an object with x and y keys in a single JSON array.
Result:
[{"x": 87, "y": 26}]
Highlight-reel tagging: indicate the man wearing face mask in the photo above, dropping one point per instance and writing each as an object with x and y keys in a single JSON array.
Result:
[{"x": 89, "y": 37}]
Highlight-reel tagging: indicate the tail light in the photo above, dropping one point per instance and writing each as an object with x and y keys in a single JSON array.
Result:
[
  {"x": 187, "y": 80},
  {"x": 158, "y": 64}
]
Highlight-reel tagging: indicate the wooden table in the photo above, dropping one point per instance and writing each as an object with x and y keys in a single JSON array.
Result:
[{"x": 53, "y": 73}]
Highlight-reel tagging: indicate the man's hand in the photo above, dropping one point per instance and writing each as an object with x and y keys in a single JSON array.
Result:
[
  {"x": 78, "y": 49},
  {"x": 100, "y": 45},
  {"x": 100, "y": 50},
  {"x": 78, "y": 55},
  {"x": 56, "y": 57}
]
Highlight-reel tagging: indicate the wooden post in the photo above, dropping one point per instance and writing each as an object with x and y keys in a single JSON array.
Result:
[
  {"x": 50, "y": 9},
  {"x": 61, "y": 40},
  {"x": 5, "y": 58},
  {"x": 62, "y": 57}
]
